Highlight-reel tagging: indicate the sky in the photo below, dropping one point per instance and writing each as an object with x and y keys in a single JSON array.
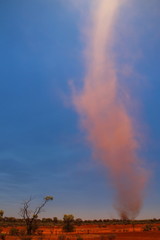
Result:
[{"x": 43, "y": 146}]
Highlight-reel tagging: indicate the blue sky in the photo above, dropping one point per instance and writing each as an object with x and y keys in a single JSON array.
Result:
[{"x": 42, "y": 147}]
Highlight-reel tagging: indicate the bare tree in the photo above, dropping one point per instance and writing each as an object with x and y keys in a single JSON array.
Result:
[{"x": 30, "y": 216}]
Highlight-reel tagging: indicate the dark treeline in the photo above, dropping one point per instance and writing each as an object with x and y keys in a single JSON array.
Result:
[{"x": 10, "y": 221}]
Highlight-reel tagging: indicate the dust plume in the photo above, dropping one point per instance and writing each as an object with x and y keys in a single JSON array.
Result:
[{"x": 104, "y": 115}]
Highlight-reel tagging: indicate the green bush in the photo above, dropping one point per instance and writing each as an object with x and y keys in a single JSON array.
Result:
[
  {"x": 68, "y": 223},
  {"x": 148, "y": 227},
  {"x": 14, "y": 232}
]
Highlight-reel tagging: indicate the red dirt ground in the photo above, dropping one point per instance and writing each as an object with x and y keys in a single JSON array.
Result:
[{"x": 95, "y": 232}]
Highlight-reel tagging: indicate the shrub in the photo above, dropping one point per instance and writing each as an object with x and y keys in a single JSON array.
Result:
[
  {"x": 26, "y": 238},
  {"x": 61, "y": 237},
  {"x": 68, "y": 223},
  {"x": 40, "y": 238},
  {"x": 148, "y": 228},
  {"x": 158, "y": 228},
  {"x": 111, "y": 236},
  {"x": 14, "y": 232},
  {"x": 103, "y": 237},
  {"x": 22, "y": 232},
  {"x": 40, "y": 232},
  {"x": 3, "y": 236},
  {"x": 79, "y": 238}
]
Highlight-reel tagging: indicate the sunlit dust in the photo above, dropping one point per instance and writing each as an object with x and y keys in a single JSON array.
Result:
[{"x": 110, "y": 129}]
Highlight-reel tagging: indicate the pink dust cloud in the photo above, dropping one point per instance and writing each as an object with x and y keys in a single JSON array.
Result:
[{"x": 110, "y": 129}]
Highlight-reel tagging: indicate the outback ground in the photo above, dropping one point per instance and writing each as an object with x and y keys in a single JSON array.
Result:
[{"x": 92, "y": 232}]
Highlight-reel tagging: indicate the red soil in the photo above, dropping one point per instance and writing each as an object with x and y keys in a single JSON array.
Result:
[{"x": 94, "y": 232}]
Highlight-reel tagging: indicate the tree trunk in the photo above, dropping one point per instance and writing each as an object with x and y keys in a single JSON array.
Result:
[{"x": 29, "y": 228}]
